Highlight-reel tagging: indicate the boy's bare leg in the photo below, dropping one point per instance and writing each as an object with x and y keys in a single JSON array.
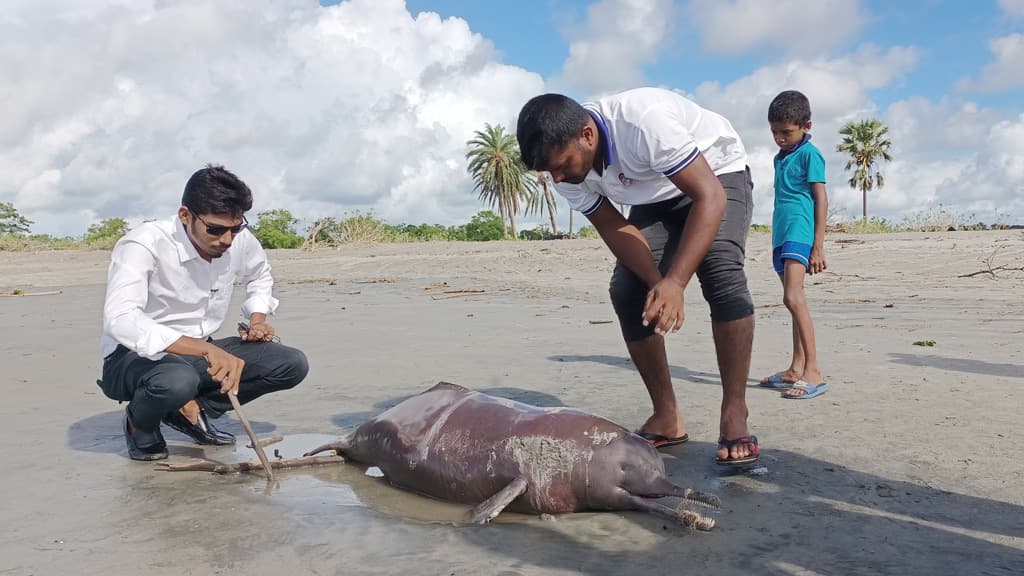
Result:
[
  {"x": 733, "y": 343},
  {"x": 796, "y": 365},
  {"x": 652, "y": 362},
  {"x": 796, "y": 301}
]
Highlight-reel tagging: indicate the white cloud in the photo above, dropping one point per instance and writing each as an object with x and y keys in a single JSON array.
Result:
[
  {"x": 794, "y": 26},
  {"x": 839, "y": 91},
  {"x": 945, "y": 151},
  {"x": 992, "y": 180},
  {"x": 1007, "y": 71},
  {"x": 611, "y": 46},
  {"x": 109, "y": 106},
  {"x": 1012, "y": 7}
]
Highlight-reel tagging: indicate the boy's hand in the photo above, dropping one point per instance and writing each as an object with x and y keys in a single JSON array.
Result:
[
  {"x": 665, "y": 306},
  {"x": 818, "y": 263}
]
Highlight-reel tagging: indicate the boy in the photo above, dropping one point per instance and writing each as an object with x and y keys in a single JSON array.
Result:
[{"x": 798, "y": 236}]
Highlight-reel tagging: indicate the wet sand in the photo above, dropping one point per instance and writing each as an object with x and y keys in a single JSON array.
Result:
[{"x": 909, "y": 465}]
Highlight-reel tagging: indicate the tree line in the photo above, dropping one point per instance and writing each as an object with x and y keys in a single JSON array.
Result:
[{"x": 503, "y": 183}]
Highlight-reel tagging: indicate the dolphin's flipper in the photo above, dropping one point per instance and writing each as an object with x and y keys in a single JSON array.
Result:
[
  {"x": 339, "y": 448},
  {"x": 485, "y": 511}
]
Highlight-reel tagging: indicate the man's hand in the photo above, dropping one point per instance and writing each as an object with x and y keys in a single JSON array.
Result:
[
  {"x": 665, "y": 306},
  {"x": 818, "y": 263},
  {"x": 225, "y": 368},
  {"x": 256, "y": 332}
]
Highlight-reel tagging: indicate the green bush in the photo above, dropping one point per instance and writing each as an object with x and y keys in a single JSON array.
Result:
[
  {"x": 939, "y": 219},
  {"x": 484, "y": 226},
  {"x": 276, "y": 229},
  {"x": 588, "y": 231},
  {"x": 105, "y": 234},
  {"x": 11, "y": 222},
  {"x": 873, "y": 226},
  {"x": 539, "y": 232}
]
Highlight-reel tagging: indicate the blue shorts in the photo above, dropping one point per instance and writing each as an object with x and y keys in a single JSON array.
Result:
[{"x": 791, "y": 251}]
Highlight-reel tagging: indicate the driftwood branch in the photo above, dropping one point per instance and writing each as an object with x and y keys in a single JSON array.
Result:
[
  {"x": 991, "y": 270},
  {"x": 267, "y": 441},
  {"x": 250, "y": 466},
  {"x": 461, "y": 293},
  {"x": 255, "y": 444},
  {"x": 23, "y": 293}
]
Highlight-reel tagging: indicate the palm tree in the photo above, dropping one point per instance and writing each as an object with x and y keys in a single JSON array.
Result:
[
  {"x": 499, "y": 174},
  {"x": 866, "y": 143},
  {"x": 548, "y": 199}
]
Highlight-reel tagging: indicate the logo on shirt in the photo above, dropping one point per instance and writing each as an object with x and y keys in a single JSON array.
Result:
[{"x": 625, "y": 181}]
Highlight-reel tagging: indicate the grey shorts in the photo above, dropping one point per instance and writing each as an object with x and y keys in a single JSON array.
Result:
[{"x": 722, "y": 279}]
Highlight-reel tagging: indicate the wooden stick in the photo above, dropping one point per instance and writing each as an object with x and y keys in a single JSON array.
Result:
[
  {"x": 268, "y": 441},
  {"x": 218, "y": 468},
  {"x": 465, "y": 293},
  {"x": 252, "y": 435},
  {"x": 23, "y": 293}
]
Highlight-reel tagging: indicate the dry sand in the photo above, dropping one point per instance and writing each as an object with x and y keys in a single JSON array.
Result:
[{"x": 910, "y": 465}]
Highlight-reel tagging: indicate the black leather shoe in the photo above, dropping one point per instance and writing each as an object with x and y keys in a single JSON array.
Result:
[
  {"x": 143, "y": 446},
  {"x": 203, "y": 432}
]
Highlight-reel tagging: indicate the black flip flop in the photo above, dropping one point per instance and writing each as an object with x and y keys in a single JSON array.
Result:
[
  {"x": 659, "y": 441},
  {"x": 725, "y": 443}
]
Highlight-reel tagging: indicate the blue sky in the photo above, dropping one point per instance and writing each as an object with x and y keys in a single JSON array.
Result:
[
  {"x": 953, "y": 35},
  {"x": 366, "y": 105}
]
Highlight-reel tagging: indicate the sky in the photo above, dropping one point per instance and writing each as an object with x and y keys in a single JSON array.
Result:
[{"x": 366, "y": 105}]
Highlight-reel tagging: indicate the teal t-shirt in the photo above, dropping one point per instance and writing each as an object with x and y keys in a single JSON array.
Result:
[{"x": 795, "y": 170}]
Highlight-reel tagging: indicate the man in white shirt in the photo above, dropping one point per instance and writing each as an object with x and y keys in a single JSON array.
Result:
[
  {"x": 169, "y": 286},
  {"x": 683, "y": 170}
]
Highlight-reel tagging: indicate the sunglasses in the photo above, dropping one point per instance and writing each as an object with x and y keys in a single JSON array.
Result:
[{"x": 219, "y": 230}]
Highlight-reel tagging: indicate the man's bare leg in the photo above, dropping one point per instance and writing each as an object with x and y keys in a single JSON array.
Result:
[
  {"x": 651, "y": 361},
  {"x": 733, "y": 343}
]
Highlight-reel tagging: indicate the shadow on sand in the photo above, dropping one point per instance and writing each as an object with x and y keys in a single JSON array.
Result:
[
  {"x": 806, "y": 516},
  {"x": 677, "y": 372},
  {"x": 960, "y": 365},
  {"x": 104, "y": 433}
]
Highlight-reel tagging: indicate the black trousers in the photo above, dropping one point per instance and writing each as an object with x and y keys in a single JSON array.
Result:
[
  {"x": 154, "y": 388},
  {"x": 722, "y": 278}
]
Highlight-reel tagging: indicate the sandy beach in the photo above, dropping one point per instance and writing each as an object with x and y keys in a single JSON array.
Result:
[{"x": 909, "y": 465}]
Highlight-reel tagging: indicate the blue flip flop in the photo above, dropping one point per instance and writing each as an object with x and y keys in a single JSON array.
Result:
[
  {"x": 810, "y": 390},
  {"x": 775, "y": 382}
]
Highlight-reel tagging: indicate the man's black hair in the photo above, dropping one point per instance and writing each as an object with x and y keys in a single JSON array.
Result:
[
  {"x": 791, "y": 107},
  {"x": 546, "y": 124},
  {"x": 215, "y": 190}
]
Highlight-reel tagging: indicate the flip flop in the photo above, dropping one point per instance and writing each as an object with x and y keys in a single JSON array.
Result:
[
  {"x": 659, "y": 441},
  {"x": 725, "y": 443},
  {"x": 810, "y": 390},
  {"x": 775, "y": 382}
]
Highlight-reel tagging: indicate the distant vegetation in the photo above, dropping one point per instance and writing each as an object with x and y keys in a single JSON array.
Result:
[
  {"x": 502, "y": 181},
  {"x": 278, "y": 229}
]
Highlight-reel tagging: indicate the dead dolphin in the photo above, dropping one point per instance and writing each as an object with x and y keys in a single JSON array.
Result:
[{"x": 464, "y": 446}]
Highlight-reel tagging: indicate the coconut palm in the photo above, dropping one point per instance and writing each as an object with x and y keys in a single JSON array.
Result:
[
  {"x": 499, "y": 174},
  {"x": 867, "y": 145},
  {"x": 548, "y": 199}
]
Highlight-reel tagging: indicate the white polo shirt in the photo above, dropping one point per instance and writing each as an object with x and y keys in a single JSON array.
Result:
[
  {"x": 159, "y": 288},
  {"x": 651, "y": 134}
]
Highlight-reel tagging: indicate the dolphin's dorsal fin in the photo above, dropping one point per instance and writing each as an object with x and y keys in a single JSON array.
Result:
[{"x": 448, "y": 386}]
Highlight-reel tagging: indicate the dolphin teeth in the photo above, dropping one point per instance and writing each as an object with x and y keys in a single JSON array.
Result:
[{"x": 702, "y": 498}]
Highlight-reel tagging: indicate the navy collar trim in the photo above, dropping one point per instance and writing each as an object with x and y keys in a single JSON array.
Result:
[{"x": 606, "y": 137}]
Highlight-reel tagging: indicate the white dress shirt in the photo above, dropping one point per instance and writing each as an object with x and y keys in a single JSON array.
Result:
[
  {"x": 651, "y": 134},
  {"x": 159, "y": 288}
]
